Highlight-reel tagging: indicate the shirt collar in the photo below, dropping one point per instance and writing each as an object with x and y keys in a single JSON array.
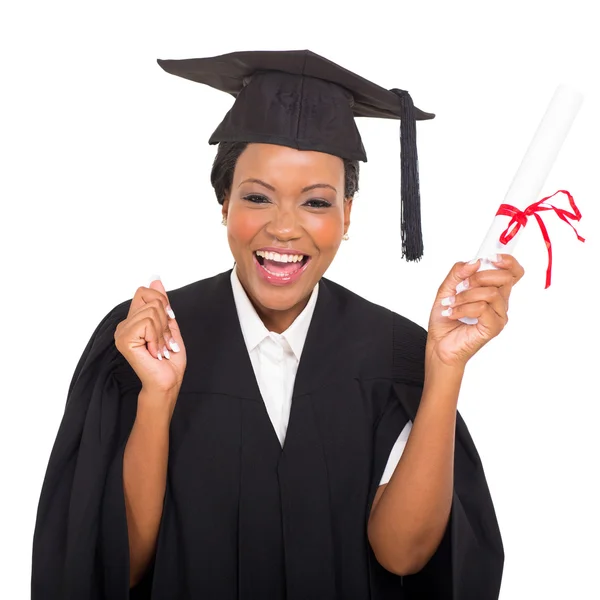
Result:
[{"x": 254, "y": 330}]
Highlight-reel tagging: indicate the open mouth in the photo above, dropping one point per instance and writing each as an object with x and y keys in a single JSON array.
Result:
[{"x": 280, "y": 265}]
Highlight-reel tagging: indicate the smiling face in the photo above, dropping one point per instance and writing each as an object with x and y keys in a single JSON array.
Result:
[{"x": 286, "y": 215}]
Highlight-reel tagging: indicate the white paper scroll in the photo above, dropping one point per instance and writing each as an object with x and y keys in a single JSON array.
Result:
[{"x": 533, "y": 171}]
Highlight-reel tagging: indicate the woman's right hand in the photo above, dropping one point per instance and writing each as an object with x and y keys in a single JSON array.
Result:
[{"x": 147, "y": 331}]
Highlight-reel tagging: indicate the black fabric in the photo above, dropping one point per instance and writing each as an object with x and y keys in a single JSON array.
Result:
[
  {"x": 299, "y": 99},
  {"x": 410, "y": 218},
  {"x": 244, "y": 518},
  {"x": 287, "y": 71}
]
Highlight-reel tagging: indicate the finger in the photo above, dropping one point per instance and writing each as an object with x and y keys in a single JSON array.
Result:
[
  {"x": 141, "y": 330},
  {"x": 167, "y": 339},
  {"x": 491, "y": 295},
  {"x": 502, "y": 278},
  {"x": 168, "y": 326},
  {"x": 157, "y": 306},
  {"x": 458, "y": 273},
  {"x": 157, "y": 284},
  {"x": 482, "y": 311},
  {"x": 491, "y": 277},
  {"x": 172, "y": 333},
  {"x": 144, "y": 296},
  {"x": 511, "y": 264}
]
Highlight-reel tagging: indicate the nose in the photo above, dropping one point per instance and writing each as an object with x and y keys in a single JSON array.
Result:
[{"x": 284, "y": 224}]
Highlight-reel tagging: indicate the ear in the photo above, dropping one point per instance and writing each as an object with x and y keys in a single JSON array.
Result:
[
  {"x": 225, "y": 206},
  {"x": 347, "y": 211}
]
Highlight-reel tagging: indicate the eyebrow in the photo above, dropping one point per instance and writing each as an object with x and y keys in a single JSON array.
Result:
[{"x": 308, "y": 188}]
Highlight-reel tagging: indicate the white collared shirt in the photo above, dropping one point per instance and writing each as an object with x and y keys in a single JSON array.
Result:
[{"x": 275, "y": 358}]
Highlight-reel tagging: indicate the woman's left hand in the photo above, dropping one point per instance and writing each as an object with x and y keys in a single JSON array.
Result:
[{"x": 485, "y": 297}]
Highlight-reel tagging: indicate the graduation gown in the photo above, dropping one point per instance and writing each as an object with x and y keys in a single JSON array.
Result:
[{"x": 244, "y": 518}]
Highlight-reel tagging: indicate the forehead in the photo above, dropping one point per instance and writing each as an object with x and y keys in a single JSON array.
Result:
[{"x": 274, "y": 159}]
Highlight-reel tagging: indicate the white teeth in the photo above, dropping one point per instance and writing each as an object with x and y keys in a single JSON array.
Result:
[
  {"x": 276, "y": 274},
  {"x": 282, "y": 258}
]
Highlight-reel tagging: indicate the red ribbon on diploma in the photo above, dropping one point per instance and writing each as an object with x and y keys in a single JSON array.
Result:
[{"x": 519, "y": 219}]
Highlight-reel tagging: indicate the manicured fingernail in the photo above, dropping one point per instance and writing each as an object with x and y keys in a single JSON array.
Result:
[
  {"x": 170, "y": 312},
  {"x": 472, "y": 262},
  {"x": 174, "y": 345},
  {"x": 154, "y": 278},
  {"x": 159, "y": 356},
  {"x": 166, "y": 352},
  {"x": 494, "y": 258},
  {"x": 447, "y": 312},
  {"x": 462, "y": 286},
  {"x": 448, "y": 301}
]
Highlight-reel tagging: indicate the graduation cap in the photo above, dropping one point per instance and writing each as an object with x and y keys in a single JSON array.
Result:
[{"x": 299, "y": 99}]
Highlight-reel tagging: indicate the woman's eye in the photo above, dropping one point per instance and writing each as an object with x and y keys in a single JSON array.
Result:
[
  {"x": 256, "y": 198},
  {"x": 315, "y": 203}
]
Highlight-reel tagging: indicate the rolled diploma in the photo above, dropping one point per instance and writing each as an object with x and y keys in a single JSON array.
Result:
[{"x": 533, "y": 171}]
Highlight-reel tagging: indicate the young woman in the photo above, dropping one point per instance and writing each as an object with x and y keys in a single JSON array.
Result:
[{"x": 266, "y": 433}]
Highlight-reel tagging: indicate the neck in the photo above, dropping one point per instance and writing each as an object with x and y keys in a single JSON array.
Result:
[{"x": 279, "y": 320}]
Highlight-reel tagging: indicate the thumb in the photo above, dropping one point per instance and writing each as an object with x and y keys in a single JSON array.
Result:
[{"x": 157, "y": 284}]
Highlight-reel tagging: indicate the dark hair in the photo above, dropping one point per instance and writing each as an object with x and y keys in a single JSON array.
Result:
[{"x": 221, "y": 175}]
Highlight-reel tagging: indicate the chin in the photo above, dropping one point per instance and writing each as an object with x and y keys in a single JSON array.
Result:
[{"x": 282, "y": 298}]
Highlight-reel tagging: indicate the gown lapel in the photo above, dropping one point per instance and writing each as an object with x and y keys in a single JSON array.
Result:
[
  {"x": 218, "y": 361},
  {"x": 229, "y": 369}
]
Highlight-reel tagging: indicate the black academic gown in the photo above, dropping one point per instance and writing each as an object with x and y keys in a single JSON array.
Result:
[{"x": 243, "y": 518}]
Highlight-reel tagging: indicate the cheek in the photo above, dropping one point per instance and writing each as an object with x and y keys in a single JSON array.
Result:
[
  {"x": 326, "y": 230},
  {"x": 243, "y": 226}
]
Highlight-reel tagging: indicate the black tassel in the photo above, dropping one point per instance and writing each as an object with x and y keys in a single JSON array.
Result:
[{"x": 410, "y": 228}]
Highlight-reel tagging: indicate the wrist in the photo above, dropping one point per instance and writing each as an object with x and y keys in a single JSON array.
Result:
[
  {"x": 436, "y": 370},
  {"x": 436, "y": 359},
  {"x": 156, "y": 405}
]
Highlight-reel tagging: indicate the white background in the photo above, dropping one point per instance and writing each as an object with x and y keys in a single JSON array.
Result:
[{"x": 105, "y": 180}]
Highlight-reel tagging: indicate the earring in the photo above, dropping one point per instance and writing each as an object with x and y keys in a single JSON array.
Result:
[
  {"x": 224, "y": 221},
  {"x": 345, "y": 237}
]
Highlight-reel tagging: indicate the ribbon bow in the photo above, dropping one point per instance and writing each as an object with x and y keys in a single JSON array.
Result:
[{"x": 519, "y": 219}]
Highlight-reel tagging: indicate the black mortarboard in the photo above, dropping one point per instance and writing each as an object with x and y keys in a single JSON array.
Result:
[{"x": 299, "y": 99}]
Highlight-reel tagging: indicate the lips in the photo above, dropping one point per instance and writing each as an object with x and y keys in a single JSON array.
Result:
[{"x": 280, "y": 268}]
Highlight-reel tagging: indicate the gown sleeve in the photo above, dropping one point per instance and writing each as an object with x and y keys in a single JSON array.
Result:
[
  {"x": 80, "y": 542},
  {"x": 469, "y": 562}
]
